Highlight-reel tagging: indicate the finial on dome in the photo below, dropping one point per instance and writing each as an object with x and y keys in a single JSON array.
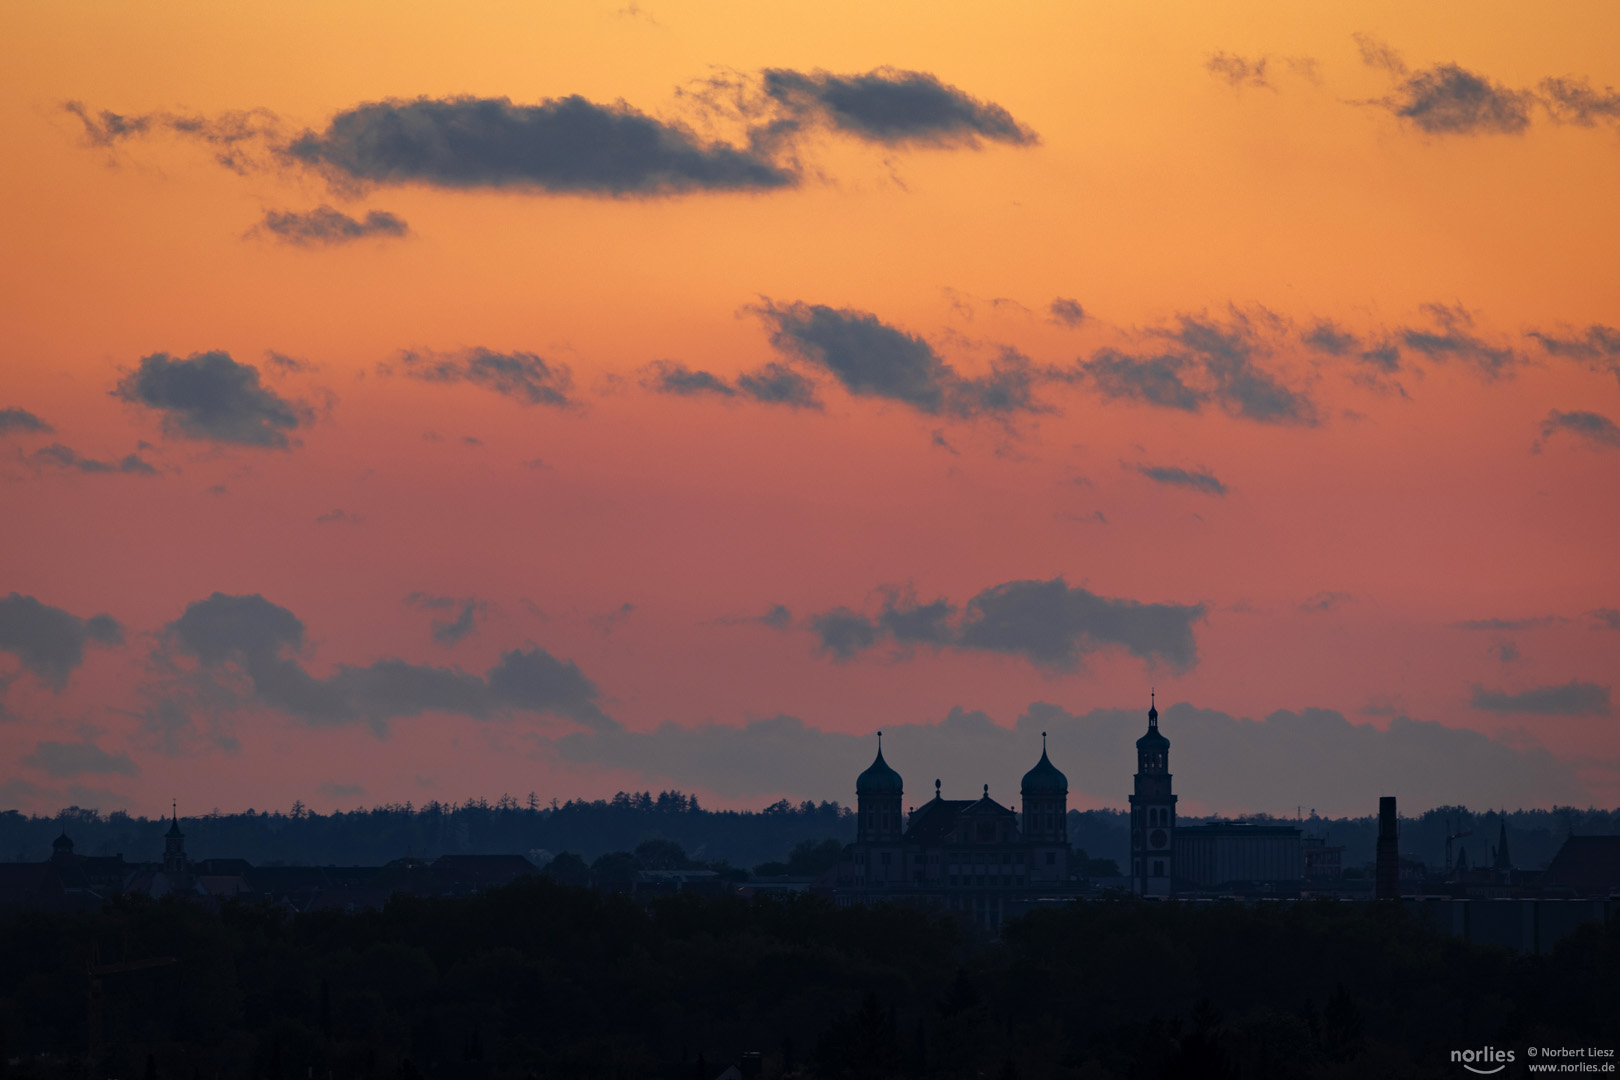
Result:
[
  {"x": 936, "y": 789},
  {"x": 1153, "y": 707},
  {"x": 1043, "y": 742},
  {"x": 987, "y": 791}
]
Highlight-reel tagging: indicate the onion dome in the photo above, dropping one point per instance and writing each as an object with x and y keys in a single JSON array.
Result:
[
  {"x": 879, "y": 779},
  {"x": 1153, "y": 740},
  {"x": 1045, "y": 778}
]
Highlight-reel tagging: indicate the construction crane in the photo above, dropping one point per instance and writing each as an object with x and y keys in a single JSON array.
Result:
[{"x": 95, "y": 971}]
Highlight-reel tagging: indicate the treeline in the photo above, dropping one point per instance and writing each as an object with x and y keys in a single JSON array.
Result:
[
  {"x": 539, "y": 829},
  {"x": 372, "y": 837},
  {"x": 539, "y": 980}
]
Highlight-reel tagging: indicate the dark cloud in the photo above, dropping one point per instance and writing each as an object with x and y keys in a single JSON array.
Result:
[
  {"x": 778, "y": 618},
  {"x": 67, "y": 759},
  {"x": 210, "y": 396},
  {"x": 674, "y": 377},
  {"x": 1375, "y": 363},
  {"x": 1572, "y": 100},
  {"x": 844, "y": 632},
  {"x": 1452, "y": 339},
  {"x": 1237, "y": 70},
  {"x": 908, "y": 622},
  {"x": 1606, "y": 618},
  {"x": 1508, "y": 652},
  {"x": 535, "y": 680},
  {"x": 325, "y": 226},
  {"x": 261, "y": 638},
  {"x": 1598, "y": 347},
  {"x": 21, "y": 420},
  {"x": 562, "y": 145},
  {"x": 1199, "y": 480},
  {"x": 450, "y": 632},
  {"x": 1242, "y": 765},
  {"x": 1227, "y": 354},
  {"x": 1067, "y": 312},
  {"x": 873, "y": 359},
  {"x": 288, "y": 365},
  {"x": 892, "y": 106},
  {"x": 778, "y": 384},
  {"x": 1324, "y": 601},
  {"x": 1210, "y": 361},
  {"x": 1153, "y": 380},
  {"x": 522, "y": 376},
  {"x": 57, "y": 456},
  {"x": 50, "y": 642},
  {"x": 1598, "y": 430},
  {"x": 1572, "y": 699},
  {"x": 1449, "y": 100},
  {"x": 1510, "y": 625},
  {"x": 1053, "y": 625}
]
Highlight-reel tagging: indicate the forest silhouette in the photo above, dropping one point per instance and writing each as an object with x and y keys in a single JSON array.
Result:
[{"x": 542, "y": 979}]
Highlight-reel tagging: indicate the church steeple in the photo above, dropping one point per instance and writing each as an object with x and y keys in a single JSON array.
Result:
[{"x": 174, "y": 847}]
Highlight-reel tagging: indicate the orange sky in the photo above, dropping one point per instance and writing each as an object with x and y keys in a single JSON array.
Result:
[{"x": 1157, "y": 188}]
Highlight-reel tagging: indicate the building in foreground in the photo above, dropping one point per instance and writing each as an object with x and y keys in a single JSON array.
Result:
[{"x": 974, "y": 857}]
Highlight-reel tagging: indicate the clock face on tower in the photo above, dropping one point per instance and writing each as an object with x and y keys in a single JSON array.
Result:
[{"x": 1157, "y": 838}]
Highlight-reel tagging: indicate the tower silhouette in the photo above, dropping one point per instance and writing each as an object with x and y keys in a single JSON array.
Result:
[{"x": 1153, "y": 813}]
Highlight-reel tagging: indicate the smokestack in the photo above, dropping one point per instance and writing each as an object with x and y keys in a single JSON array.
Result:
[{"x": 1388, "y": 871}]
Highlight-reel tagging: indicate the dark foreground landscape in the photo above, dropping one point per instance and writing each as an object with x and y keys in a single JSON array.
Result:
[{"x": 539, "y": 979}]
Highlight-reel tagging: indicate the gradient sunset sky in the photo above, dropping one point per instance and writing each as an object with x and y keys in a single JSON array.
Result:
[{"x": 419, "y": 401}]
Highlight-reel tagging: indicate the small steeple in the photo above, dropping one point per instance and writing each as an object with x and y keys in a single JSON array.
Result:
[{"x": 1153, "y": 708}]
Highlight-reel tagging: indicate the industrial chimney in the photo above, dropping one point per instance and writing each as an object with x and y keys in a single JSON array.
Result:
[{"x": 1388, "y": 867}]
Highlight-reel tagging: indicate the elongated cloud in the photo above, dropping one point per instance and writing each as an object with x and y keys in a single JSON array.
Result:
[
  {"x": 1199, "y": 480},
  {"x": 1574, "y": 698},
  {"x": 209, "y": 396},
  {"x": 68, "y": 759},
  {"x": 325, "y": 226},
  {"x": 525, "y": 377},
  {"x": 892, "y": 106},
  {"x": 563, "y": 145},
  {"x": 57, "y": 456},
  {"x": 1597, "y": 430},
  {"x": 21, "y": 421},
  {"x": 1207, "y": 361},
  {"x": 1598, "y": 347},
  {"x": 1049, "y": 623},
  {"x": 49, "y": 641},
  {"x": 261, "y": 639},
  {"x": 773, "y": 384},
  {"x": 870, "y": 358},
  {"x": 1452, "y": 338}
]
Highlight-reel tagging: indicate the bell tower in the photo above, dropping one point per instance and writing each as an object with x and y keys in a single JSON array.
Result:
[{"x": 1153, "y": 814}]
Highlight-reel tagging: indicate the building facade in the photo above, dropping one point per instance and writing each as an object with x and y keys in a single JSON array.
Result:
[
  {"x": 974, "y": 857},
  {"x": 1153, "y": 814},
  {"x": 1239, "y": 852}
]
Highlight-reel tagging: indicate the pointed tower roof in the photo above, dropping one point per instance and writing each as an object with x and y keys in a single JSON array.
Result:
[
  {"x": 174, "y": 828},
  {"x": 879, "y": 779},
  {"x": 1045, "y": 778},
  {"x": 1153, "y": 740}
]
